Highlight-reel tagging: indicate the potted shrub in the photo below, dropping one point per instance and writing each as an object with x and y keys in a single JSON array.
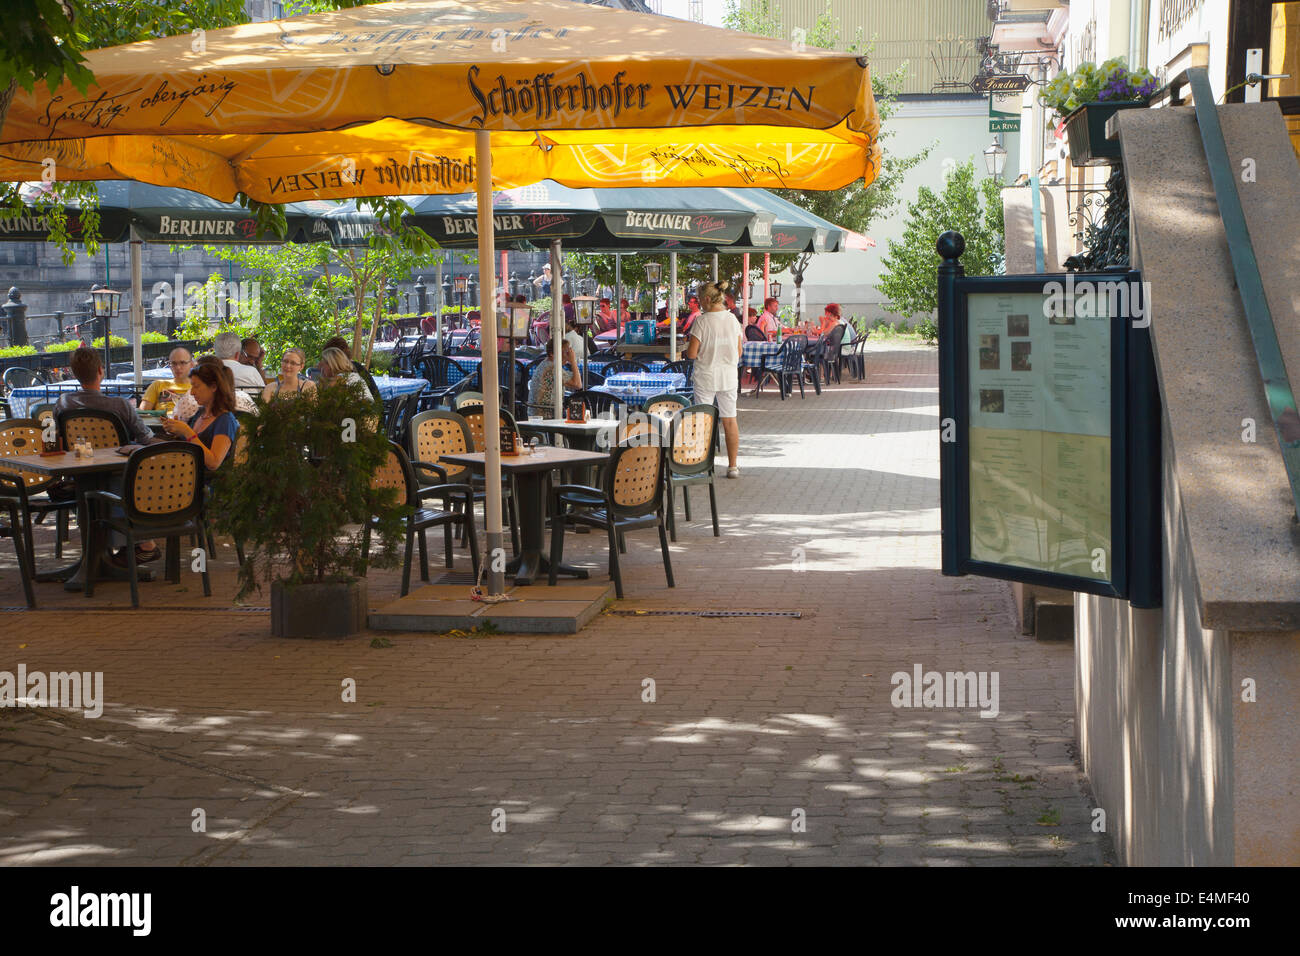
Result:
[
  {"x": 1090, "y": 95},
  {"x": 298, "y": 499}
]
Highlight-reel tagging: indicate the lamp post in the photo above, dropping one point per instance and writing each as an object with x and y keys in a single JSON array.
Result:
[
  {"x": 462, "y": 285},
  {"x": 995, "y": 157},
  {"x": 774, "y": 288},
  {"x": 104, "y": 302},
  {"x": 654, "y": 272}
]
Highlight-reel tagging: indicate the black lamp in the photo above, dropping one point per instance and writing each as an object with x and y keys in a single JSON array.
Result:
[{"x": 104, "y": 303}]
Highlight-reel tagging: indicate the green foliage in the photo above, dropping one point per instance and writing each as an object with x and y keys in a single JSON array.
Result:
[
  {"x": 291, "y": 509},
  {"x": 114, "y": 341},
  {"x": 381, "y": 363},
  {"x": 909, "y": 279},
  {"x": 64, "y": 346},
  {"x": 928, "y": 331},
  {"x": 153, "y": 338},
  {"x": 17, "y": 351},
  {"x": 39, "y": 42},
  {"x": 1090, "y": 83}
]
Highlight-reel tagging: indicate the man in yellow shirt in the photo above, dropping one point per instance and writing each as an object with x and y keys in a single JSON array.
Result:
[{"x": 163, "y": 393}]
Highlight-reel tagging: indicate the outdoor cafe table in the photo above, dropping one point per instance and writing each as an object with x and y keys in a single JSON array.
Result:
[
  {"x": 89, "y": 474},
  {"x": 391, "y": 388},
  {"x": 530, "y": 473}
]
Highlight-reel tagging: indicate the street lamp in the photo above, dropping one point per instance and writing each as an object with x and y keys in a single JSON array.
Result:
[
  {"x": 104, "y": 304},
  {"x": 462, "y": 286},
  {"x": 775, "y": 289},
  {"x": 654, "y": 272},
  {"x": 995, "y": 157}
]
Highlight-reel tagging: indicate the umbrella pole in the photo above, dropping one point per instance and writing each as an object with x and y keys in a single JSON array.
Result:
[
  {"x": 744, "y": 291},
  {"x": 496, "y": 557},
  {"x": 437, "y": 322},
  {"x": 508, "y": 310},
  {"x": 557, "y": 329},
  {"x": 767, "y": 276},
  {"x": 672, "y": 306},
  {"x": 618, "y": 298},
  {"x": 137, "y": 310}
]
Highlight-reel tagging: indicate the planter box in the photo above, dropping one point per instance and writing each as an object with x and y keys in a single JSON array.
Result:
[
  {"x": 1086, "y": 130},
  {"x": 334, "y": 609}
]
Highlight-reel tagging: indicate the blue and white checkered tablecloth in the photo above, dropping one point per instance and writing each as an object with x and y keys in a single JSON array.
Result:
[
  {"x": 149, "y": 375},
  {"x": 390, "y": 388},
  {"x": 752, "y": 353},
  {"x": 635, "y": 387},
  {"x": 21, "y": 400}
]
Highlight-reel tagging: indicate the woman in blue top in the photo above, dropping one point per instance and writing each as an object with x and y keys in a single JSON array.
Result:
[{"x": 214, "y": 427}]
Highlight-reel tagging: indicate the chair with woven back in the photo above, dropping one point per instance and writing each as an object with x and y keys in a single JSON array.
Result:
[
  {"x": 29, "y": 493},
  {"x": 162, "y": 497},
  {"x": 398, "y": 473},
  {"x": 472, "y": 416},
  {"x": 102, "y": 429},
  {"x": 631, "y": 496},
  {"x": 669, "y": 403},
  {"x": 692, "y": 435},
  {"x": 467, "y": 397}
]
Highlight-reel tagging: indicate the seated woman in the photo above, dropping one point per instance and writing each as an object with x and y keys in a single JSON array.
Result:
[
  {"x": 830, "y": 318},
  {"x": 541, "y": 387},
  {"x": 214, "y": 428},
  {"x": 291, "y": 382},
  {"x": 335, "y": 366}
]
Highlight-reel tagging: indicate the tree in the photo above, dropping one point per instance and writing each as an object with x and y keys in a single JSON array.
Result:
[
  {"x": 974, "y": 209},
  {"x": 855, "y": 206}
]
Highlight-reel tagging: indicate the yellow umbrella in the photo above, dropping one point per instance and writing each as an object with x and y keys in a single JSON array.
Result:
[{"x": 428, "y": 96}]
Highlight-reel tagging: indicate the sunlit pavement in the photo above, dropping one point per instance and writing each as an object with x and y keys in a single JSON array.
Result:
[{"x": 654, "y": 738}]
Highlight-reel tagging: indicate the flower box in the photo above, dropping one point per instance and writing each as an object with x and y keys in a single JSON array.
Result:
[{"x": 1085, "y": 129}]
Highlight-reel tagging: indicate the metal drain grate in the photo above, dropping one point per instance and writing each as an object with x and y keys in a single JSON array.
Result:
[
  {"x": 794, "y": 614},
  {"x": 189, "y": 609}
]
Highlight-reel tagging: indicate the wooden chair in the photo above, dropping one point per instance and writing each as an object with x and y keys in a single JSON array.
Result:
[
  {"x": 632, "y": 497},
  {"x": 162, "y": 497},
  {"x": 397, "y": 472},
  {"x": 690, "y": 459}
]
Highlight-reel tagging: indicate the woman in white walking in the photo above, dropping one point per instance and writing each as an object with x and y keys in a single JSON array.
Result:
[{"x": 715, "y": 345}]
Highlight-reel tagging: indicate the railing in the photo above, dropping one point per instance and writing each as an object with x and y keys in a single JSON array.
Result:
[{"x": 1245, "y": 267}]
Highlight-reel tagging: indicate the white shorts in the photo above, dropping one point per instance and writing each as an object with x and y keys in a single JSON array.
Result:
[{"x": 726, "y": 399}]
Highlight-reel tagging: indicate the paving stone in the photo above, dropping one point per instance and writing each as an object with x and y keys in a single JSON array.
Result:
[{"x": 754, "y": 717}]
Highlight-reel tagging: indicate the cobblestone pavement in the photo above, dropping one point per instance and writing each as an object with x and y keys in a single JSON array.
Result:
[{"x": 769, "y": 740}]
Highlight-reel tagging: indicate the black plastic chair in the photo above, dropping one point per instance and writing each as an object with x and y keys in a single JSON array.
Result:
[
  {"x": 857, "y": 359},
  {"x": 624, "y": 365},
  {"x": 444, "y": 376},
  {"x": 631, "y": 497},
  {"x": 397, "y": 472},
  {"x": 369, "y": 380},
  {"x": 22, "y": 547},
  {"x": 680, "y": 367},
  {"x": 594, "y": 378},
  {"x": 829, "y": 357},
  {"x": 17, "y": 377},
  {"x": 162, "y": 497},
  {"x": 597, "y": 402},
  {"x": 692, "y": 434},
  {"x": 786, "y": 366},
  {"x": 398, "y": 414}
]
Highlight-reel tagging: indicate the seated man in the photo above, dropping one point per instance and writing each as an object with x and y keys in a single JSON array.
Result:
[
  {"x": 541, "y": 387},
  {"x": 89, "y": 370},
  {"x": 226, "y": 346},
  {"x": 251, "y": 353},
  {"x": 162, "y": 394}
]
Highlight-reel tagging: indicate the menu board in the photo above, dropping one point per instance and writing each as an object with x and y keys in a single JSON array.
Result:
[{"x": 1040, "y": 434}]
